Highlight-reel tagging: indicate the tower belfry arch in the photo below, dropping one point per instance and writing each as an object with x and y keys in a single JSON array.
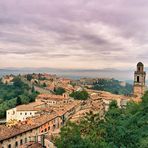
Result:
[{"x": 139, "y": 80}]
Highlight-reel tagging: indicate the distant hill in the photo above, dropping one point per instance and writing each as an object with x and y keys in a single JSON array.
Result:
[
  {"x": 77, "y": 73},
  {"x": 73, "y": 73}
]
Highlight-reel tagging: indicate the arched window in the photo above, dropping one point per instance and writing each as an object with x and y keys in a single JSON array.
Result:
[
  {"x": 138, "y": 79},
  {"x": 48, "y": 128}
]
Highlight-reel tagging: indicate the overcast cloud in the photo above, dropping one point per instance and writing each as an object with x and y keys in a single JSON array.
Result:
[{"x": 89, "y": 34}]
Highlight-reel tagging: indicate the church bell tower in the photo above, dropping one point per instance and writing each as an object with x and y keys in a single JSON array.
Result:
[{"x": 139, "y": 80}]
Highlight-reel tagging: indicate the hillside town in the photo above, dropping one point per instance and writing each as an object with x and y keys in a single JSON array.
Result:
[
  {"x": 36, "y": 124},
  {"x": 73, "y": 74}
]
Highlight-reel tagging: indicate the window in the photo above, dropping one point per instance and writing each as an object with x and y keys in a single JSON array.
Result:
[
  {"x": 25, "y": 140},
  {"x": 16, "y": 144},
  {"x": 13, "y": 113},
  {"x": 21, "y": 142},
  {"x": 20, "y": 113},
  {"x": 138, "y": 79},
  {"x": 54, "y": 127},
  {"x": 9, "y": 146},
  {"x": 35, "y": 138},
  {"x": 30, "y": 113},
  {"x": 25, "y": 113}
]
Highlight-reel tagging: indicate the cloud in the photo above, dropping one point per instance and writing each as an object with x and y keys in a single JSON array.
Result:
[{"x": 73, "y": 34}]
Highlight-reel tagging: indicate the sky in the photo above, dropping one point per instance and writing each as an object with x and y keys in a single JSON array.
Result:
[{"x": 75, "y": 34}]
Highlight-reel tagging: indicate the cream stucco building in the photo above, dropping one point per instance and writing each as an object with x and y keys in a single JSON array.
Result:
[{"x": 22, "y": 112}]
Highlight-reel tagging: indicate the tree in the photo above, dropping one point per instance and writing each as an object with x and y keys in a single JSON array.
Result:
[
  {"x": 29, "y": 77},
  {"x": 120, "y": 128},
  {"x": 13, "y": 95},
  {"x": 113, "y": 86},
  {"x": 17, "y": 82},
  {"x": 33, "y": 96},
  {"x": 72, "y": 134},
  {"x": 32, "y": 89},
  {"x": 44, "y": 85},
  {"x": 84, "y": 135},
  {"x": 113, "y": 105},
  {"x": 59, "y": 91},
  {"x": 80, "y": 95},
  {"x": 18, "y": 101}
]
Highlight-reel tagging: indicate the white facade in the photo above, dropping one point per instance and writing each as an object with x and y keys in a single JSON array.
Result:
[
  {"x": 13, "y": 114},
  {"x": 7, "y": 79},
  {"x": 49, "y": 144}
]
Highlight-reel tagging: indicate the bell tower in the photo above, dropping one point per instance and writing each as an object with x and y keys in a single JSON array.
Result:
[{"x": 139, "y": 80}]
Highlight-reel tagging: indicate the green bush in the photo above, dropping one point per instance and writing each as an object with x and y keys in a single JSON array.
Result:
[
  {"x": 80, "y": 95},
  {"x": 113, "y": 86},
  {"x": 59, "y": 91}
]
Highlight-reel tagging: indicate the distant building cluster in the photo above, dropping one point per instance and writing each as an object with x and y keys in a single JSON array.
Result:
[
  {"x": 51, "y": 99},
  {"x": 51, "y": 82},
  {"x": 8, "y": 79}
]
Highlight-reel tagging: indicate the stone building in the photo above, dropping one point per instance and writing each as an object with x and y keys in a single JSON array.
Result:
[
  {"x": 51, "y": 99},
  {"x": 36, "y": 129},
  {"x": 139, "y": 80},
  {"x": 22, "y": 112},
  {"x": 29, "y": 131},
  {"x": 8, "y": 79}
]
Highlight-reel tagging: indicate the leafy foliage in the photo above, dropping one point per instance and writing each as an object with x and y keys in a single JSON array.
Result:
[
  {"x": 120, "y": 128},
  {"x": 44, "y": 85},
  {"x": 29, "y": 77},
  {"x": 16, "y": 94},
  {"x": 59, "y": 91},
  {"x": 80, "y": 95},
  {"x": 113, "y": 86}
]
